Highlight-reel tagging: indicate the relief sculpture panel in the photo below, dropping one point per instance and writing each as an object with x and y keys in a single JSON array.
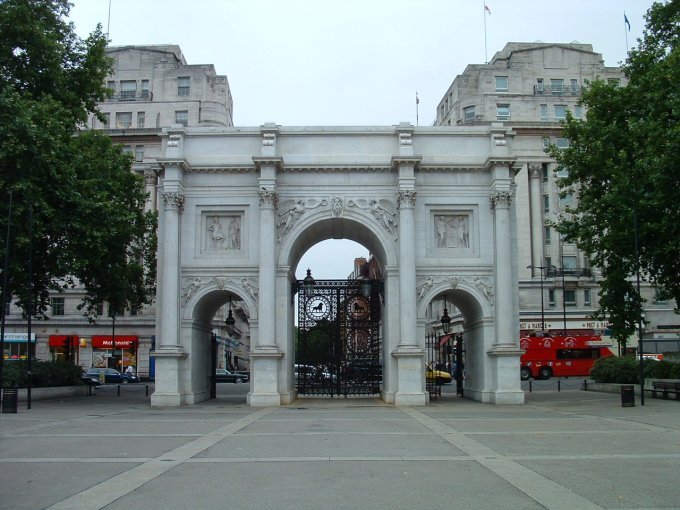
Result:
[{"x": 452, "y": 231}]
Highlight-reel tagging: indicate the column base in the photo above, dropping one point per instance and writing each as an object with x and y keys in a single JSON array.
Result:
[
  {"x": 264, "y": 364},
  {"x": 410, "y": 376},
  {"x": 507, "y": 385},
  {"x": 168, "y": 388}
]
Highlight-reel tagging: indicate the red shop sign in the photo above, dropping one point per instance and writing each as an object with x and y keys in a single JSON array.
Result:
[
  {"x": 122, "y": 342},
  {"x": 60, "y": 340}
]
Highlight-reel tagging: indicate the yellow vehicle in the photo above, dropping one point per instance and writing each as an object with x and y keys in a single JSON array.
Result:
[{"x": 438, "y": 376}]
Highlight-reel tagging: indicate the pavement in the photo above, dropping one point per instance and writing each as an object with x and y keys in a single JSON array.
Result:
[{"x": 568, "y": 450}]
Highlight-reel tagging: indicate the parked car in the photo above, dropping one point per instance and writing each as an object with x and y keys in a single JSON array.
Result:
[
  {"x": 90, "y": 380},
  {"x": 224, "y": 375},
  {"x": 111, "y": 375},
  {"x": 439, "y": 376}
]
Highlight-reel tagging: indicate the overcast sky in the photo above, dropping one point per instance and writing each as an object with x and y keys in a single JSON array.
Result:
[{"x": 353, "y": 62}]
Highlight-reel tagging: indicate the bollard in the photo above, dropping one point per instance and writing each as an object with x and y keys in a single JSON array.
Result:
[
  {"x": 119, "y": 390},
  {"x": 627, "y": 395},
  {"x": 147, "y": 390},
  {"x": 585, "y": 384},
  {"x": 530, "y": 386},
  {"x": 559, "y": 388},
  {"x": 10, "y": 397}
]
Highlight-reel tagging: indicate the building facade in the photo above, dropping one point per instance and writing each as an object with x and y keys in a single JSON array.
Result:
[
  {"x": 152, "y": 87},
  {"x": 530, "y": 87}
]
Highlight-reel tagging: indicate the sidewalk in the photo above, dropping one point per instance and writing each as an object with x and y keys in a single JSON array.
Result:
[{"x": 568, "y": 450}]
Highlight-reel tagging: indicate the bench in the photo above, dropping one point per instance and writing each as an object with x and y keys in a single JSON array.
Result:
[{"x": 665, "y": 388}]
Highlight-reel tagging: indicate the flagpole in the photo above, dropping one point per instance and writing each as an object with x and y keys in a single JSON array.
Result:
[
  {"x": 486, "y": 58},
  {"x": 108, "y": 23},
  {"x": 417, "y": 103},
  {"x": 626, "y": 22}
]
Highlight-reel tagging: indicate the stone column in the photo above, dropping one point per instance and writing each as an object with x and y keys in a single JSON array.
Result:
[
  {"x": 536, "y": 209},
  {"x": 266, "y": 354},
  {"x": 169, "y": 352},
  {"x": 150, "y": 181},
  {"x": 505, "y": 352},
  {"x": 409, "y": 354}
]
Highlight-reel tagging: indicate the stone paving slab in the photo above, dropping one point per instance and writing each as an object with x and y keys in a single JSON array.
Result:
[{"x": 561, "y": 451}]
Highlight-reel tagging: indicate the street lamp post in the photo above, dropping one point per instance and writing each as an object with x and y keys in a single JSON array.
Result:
[{"x": 541, "y": 282}]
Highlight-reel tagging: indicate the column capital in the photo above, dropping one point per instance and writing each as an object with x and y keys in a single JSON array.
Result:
[
  {"x": 406, "y": 198},
  {"x": 535, "y": 170},
  {"x": 173, "y": 200},
  {"x": 269, "y": 199},
  {"x": 150, "y": 177},
  {"x": 500, "y": 199}
]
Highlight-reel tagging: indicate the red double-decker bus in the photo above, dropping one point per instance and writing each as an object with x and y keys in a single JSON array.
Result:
[{"x": 561, "y": 356}]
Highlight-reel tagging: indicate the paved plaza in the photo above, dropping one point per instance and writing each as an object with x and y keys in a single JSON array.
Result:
[{"x": 567, "y": 450}]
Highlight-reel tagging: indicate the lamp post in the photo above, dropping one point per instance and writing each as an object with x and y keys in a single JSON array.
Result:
[
  {"x": 229, "y": 322},
  {"x": 542, "y": 305},
  {"x": 308, "y": 282}
]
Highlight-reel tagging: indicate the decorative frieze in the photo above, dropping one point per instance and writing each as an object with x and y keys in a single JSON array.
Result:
[{"x": 481, "y": 283}]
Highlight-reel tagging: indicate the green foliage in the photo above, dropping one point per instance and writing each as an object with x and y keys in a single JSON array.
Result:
[
  {"x": 626, "y": 370},
  {"x": 623, "y": 164},
  {"x": 75, "y": 191},
  {"x": 44, "y": 374}
]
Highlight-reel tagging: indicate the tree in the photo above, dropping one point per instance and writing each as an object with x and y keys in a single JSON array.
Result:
[
  {"x": 87, "y": 214},
  {"x": 623, "y": 164}
]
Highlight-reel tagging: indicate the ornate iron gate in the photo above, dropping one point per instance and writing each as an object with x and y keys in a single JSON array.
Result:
[
  {"x": 444, "y": 354},
  {"x": 338, "y": 347}
]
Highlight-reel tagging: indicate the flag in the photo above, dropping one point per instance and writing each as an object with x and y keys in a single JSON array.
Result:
[
  {"x": 625, "y": 20},
  {"x": 486, "y": 8}
]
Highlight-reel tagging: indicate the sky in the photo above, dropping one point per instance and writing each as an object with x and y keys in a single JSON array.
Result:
[{"x": 353, "y": 62}]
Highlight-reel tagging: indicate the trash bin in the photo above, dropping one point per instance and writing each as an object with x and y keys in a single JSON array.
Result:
[
  {"x": 627, "y": 395},
  {"x": 9, "y": 400}
]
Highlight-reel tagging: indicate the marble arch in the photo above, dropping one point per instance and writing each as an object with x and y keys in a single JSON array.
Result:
[{"x": 240, "y": 206}]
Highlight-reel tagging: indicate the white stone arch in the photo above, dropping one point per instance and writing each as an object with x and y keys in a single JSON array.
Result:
[
  {"x": 354, "y": 224},
  {"x": 212, "y": 291},
  {"x": 478, "y": 325}
]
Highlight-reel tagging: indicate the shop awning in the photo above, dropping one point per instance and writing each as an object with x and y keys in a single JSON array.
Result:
[{"x": 60, "y": 340}]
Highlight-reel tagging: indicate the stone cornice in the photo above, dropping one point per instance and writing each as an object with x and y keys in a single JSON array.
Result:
[
  {"x": 493, "y": 162},
  {"x": 335, "y": 169},
  {"x": 261, "y": 161},
  {"x": 221, "y": 170},
  {"x": 406, "y": 160},
  {"x": 182, "y": 163}
]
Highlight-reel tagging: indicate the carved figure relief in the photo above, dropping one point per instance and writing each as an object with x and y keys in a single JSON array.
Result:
[
  {"x": 190, "y": 287},
  {"x": 380, "y": 211},
  {"x": 218, "y": 238},
  {"x": 337, "y": 205},
  {"x": 294, "y": 210},
  {"x": 452, "y": 231},
  {"x": 482, "y": 283}
]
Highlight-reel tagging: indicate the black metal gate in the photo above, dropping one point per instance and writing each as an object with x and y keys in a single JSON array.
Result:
[{"x": 338, "y": 346}]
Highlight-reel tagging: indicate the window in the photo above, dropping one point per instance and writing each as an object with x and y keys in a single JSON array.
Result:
[
  {"x": 546, "y": 203},
  {"x": 107, "y": 121},
  {"x": 123, "y": 120},
  {"x": 141, "y": 119},
  {"x": 578, "y": 111},
  {"x": 100, "y": 309},
  {"x": 658, "y": 299},
  {"x": 546, "y": 145},
  {"x": 562, "y": 172},
  {"x": 545, "y": 170},
  {"x": 544, "y": 112},
  {"x": 570, "y": 297},
  {"x": 548, "y": 261},
  {"x": 574, "y": 86},
  {"x": 128, "y": 90},
  {"x": 569, "y": 263},
  {"x": 551, "y": 297},
  {"x": 560, "y": 112},
  {"x": 182, "y": 117},
  {"x": 562, "y": 143},
  {"x": 183, "y": 85},
  {"x": 446, "y": 104},
  {"x": 134, "y": 310},
  {"x": 7, "y": 308},
  {"x": 139, "y": 153},
  {"x": 546, "y": 234},
  {"x": 566, "y": 201},
  {"x": 57, "y": 306},
  {"x": 469, "y": 113},
  {"x": 586, "y": 297},
  {"x": 540, "y": 87},
  {"x": 503, "y": 111},
  {"x": 112, "y": 86},
  {"x": 145, "y": 89},
  {"x": 614, "y": 81},
  {"x": 501, "y": 83},
  {"x": 556, "y": 86}
]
